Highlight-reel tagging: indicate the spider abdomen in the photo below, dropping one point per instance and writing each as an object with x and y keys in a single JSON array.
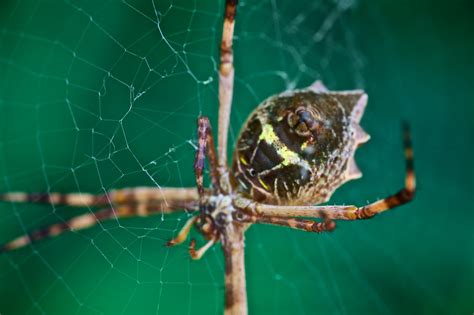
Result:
[{"x": 298, "y": 147}]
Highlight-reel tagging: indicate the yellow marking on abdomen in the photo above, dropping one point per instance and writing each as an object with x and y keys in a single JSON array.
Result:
[
  {"x": 289, "y": 157},
  {"x": 304, "y": 145},
  {"x": 263, "y": 184}
]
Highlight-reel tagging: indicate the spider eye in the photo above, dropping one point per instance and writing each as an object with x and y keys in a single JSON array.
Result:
[
  {"x": 302, "y": 122},
  {"x": 293, "y": 120},
  {"x": 252, "y": 172},
  {"x": 302, "y": 129}
]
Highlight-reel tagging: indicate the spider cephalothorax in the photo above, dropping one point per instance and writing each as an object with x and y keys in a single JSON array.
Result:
[
  {"x": 295, "y": 149},
  {"x": 215, "y": 215},
  {"x": 298, "y": 147}
]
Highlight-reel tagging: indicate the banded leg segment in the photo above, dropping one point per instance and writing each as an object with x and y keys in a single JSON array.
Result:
[
  {"x": 205, "y": 146},
  {"x": 297, "y": 223},
  {"x": 77, "y": 223},
  {"x": 147, "y": 206},
  {"x": 404, "y": 195},
  {"x": 351, "y": 212},
  {"x": 226, "y": 81},
  {"x": 71, "y": 199},
  {"x": 167, "y": 198}
]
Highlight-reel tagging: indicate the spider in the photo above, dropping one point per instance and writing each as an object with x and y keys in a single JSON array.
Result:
[{"x": 293, "y": 152}]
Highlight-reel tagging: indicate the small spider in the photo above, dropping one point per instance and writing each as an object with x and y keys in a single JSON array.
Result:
[{"x": 293, "y": 152}]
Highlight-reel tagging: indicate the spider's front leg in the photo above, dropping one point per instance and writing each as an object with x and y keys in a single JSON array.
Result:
[{"x": 205, "y": 147}]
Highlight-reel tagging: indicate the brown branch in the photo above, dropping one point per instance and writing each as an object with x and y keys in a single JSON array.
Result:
[{"x": 235, "y": 285}]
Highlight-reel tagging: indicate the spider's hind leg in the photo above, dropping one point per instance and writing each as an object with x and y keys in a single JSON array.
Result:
[
  {"x": 77, "y": 223},
  {"x": 405, "y": 195},
  {"x": 297, "y": 223}
]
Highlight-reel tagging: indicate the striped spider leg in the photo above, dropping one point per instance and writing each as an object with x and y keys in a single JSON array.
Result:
[
  {"x": 121, "y": 203},
  {"x": 205, "y": 147}
]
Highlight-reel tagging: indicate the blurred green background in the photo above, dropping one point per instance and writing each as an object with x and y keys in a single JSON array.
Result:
[{"x": 97, "y": 95}]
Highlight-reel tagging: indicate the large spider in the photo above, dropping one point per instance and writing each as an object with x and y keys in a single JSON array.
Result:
[{"x": 293, "y": 152}]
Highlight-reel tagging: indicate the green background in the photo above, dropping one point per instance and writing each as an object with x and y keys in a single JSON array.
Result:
[{"x": 73, "y": 118}]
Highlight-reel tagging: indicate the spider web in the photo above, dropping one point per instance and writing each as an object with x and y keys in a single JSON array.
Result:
[{"x": 103, "y": 95}]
